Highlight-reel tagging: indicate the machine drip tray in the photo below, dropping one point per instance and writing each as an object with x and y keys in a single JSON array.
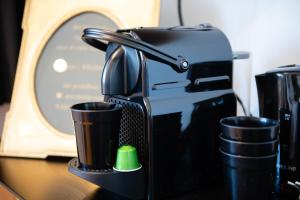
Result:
[{"x": 127, "y": 184}]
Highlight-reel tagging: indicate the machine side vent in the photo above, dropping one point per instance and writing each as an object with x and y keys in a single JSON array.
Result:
[{"x": 132, "y": 129}]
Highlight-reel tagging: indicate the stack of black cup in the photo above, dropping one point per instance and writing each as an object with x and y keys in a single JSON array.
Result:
[{"x": 249, "y": 152}]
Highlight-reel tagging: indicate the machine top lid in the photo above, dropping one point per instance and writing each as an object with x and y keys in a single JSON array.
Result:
[
  {"x": 197, "y": 44},
  {"x": 285, "y": 69}
]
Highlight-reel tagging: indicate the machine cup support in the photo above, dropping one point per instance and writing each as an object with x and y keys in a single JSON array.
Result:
[{"x": 127, "y": 184}]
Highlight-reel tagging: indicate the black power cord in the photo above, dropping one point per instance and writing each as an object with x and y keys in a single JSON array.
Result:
[
  {"x": 239, "y": 100},
  {"x": 179, "y": 8}
]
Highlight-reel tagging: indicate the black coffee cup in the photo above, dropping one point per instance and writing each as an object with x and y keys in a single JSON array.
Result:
[
  {"x": 248, "y": 178},
  {"x": 248, "y": 148},
  {"x": 97, "y": 126},
  {"x": 249, "y": 129}
]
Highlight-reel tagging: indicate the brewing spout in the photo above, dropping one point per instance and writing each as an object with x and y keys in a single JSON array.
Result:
[{"x": 239, "y": 55}]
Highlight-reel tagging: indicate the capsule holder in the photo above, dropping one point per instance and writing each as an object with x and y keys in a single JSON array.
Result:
[{"x": 127, "y": 184}]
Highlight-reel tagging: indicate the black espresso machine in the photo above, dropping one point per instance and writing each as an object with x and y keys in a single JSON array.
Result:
[{"x": 174, "y": 85}]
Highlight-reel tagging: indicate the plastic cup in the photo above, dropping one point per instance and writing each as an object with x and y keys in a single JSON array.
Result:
[
  {"x": 127, "y": 159},
  {"x": 248, "y": 178},
  {"x": 248, "y": 148},
  {"x": 249, "y": 129},
  {"x": 97, "y": 126}
]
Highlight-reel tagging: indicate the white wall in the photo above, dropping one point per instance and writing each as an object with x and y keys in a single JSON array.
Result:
[
  {"x": 275, "y": 39},
  {"x": 269, "y": 29}
]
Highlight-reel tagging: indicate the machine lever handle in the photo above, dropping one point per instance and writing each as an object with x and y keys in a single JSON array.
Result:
[{"x": 95, "y": 38}]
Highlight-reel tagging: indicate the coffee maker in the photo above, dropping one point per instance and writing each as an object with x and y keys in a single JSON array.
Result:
[
  {"x": 174, "y": 85},
  {"x": 279, "y": 97}
]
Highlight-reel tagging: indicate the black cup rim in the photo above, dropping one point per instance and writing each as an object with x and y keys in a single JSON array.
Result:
[
  {"x": 115, "y": 107},
  {"x": 259, "y": 119},
  {"x": 247, "y": 143},
  {"x": 248, "y": 157}
]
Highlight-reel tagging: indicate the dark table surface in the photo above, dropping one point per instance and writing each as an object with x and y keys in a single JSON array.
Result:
[{"x": 36, "y": 179}]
